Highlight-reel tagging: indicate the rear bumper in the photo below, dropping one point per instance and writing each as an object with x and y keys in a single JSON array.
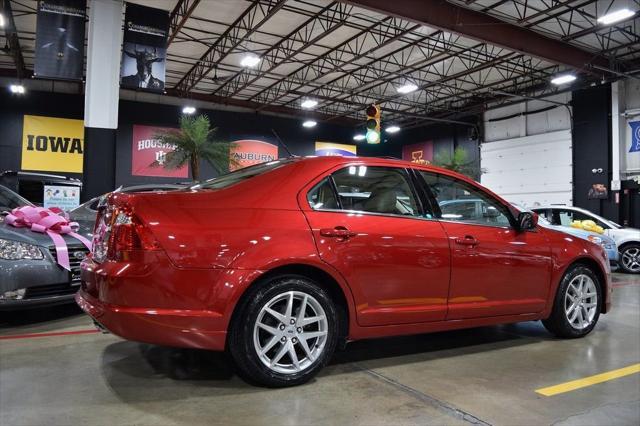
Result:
[{"x": 159, "y": 327}]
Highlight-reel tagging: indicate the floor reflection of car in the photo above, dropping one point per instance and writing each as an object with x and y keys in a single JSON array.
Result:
[
  {"x": 627, "y": 239},
  {"x": 278, "y": 263},
  {"x": 85, "y": 213},
  {"x": 29, "y": 273}
]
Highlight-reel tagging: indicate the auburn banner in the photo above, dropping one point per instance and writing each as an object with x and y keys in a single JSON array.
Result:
[
  {"x": 328, "y": 148},
  {"x": 60, "y": 39},
  {"x": 420, "y": 153},
  {"x": 249, "y": 152},
  {"x": 146, "y": 150},
  {"x": 52, "y": 144},
  {"x": 144, "y": 49}
]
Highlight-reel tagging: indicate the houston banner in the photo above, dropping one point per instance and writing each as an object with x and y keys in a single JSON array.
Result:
[
  {"x": 52, "y": 144},
  {"x": 328, "y": 148},
  {"x": 147, "y": 150},
  {"x": 420, "y": 153},
  {"x": 144, "y": 49},
  {"x": 248, "y": 152},
  {"x": 60, "y": 39}
]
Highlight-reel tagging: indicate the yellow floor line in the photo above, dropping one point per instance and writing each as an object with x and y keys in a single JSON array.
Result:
[{"x": 588, "y": 381}]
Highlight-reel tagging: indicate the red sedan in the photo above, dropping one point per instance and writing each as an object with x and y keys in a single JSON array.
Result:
[{"x": 281, "y": 262}]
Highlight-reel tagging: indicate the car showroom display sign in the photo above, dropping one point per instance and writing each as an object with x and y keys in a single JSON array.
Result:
[
  {"x": 63, "y": 197},
  {"x": 324, "y": 149},
  {"x": 248, "y": 152},
  {"x": 52, "y": 144},
  {"x": 419, "y": 153},
  {"x": 148, "y": 154}
]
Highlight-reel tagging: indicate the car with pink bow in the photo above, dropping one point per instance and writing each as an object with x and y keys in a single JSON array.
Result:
[{"x": 39, "y": 255}]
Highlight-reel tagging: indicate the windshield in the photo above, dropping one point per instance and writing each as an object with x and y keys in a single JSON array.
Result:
[
  {"x": 240, "y": 175},
  {"x": 9, "y": 200}
]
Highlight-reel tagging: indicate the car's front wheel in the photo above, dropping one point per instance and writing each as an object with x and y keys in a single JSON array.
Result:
[
  {"x": 630, "y": 258},
  {"x": 577, "y": 305},
  {"x": 285, "y": 333}
]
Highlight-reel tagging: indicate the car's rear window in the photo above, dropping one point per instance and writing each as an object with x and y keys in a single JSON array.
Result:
[{"x": 240, "y": 175}]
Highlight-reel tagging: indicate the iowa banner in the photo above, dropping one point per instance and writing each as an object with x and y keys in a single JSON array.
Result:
[
  {"x": 144, "y": 49},
  {"x": 60, "y": 39},
  {"x": 52, "y": 144},
  {"x": 146, "y": 150}
]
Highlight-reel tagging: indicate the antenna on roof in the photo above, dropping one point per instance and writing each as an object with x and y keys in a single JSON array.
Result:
[{"x": 282, "y": 143}]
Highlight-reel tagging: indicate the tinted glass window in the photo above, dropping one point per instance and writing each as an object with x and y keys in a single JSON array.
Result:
[
  {"x": 461, "y": 202},
  {"x": 376, "y": 190},
  {"x": 240, "y": 175},
  {"x": 9, "y": 200},
  {"x": 322, "y": 197},
  {"x": 565, "y": 217}
]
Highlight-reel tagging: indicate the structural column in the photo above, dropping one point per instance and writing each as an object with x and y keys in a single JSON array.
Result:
[{"x": 102, "y": 96}]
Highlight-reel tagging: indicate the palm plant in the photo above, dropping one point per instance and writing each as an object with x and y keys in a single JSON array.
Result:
[
  {"x": 194, "y": 142},
  {"x": 456, "y": 162}
]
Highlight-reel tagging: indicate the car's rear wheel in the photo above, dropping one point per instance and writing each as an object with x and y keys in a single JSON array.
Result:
[
  {"x": 285, "y": 333},
  {"x": 577, "y": 305},
  {"x": 630, "y": 258}
]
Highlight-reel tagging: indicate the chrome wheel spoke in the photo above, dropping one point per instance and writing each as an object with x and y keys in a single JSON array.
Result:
[
  {"x": 276, "y": 315},
  {"x": 269, "y": 345},
  {"x": 283, "y": 350},
  {"x": 311, "y": 320},
  {"x": 289, "y": 310},
  {"x": 305, "y": 348},
  {"x": 294, "y": 357},
  {"x": 313, "y": 334},
  {"x": 268, "y": 329}
]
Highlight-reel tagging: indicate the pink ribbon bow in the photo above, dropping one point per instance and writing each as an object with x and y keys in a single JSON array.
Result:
[{"x": 53, "y": 222}]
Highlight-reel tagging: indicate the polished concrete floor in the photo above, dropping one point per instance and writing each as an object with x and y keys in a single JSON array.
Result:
[{"x": 485, "y": 376}]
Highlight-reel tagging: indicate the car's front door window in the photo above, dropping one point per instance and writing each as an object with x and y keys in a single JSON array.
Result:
[{"x": 461, "y": 202}]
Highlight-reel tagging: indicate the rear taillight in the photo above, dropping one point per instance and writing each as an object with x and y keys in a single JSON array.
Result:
[{"x": 128, "y": 234}]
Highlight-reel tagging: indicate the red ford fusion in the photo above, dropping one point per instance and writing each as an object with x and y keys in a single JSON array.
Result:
[{"x": 281, "y": 262}]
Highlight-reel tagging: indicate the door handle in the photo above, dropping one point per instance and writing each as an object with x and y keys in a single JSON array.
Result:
[
  {"x": 468, "y": 240},
  {"x": 337, "y": 232}
]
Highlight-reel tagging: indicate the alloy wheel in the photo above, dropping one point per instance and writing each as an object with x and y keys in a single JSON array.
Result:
[
  {"x": 290, "y": 332},
  {"x": 631, "y": 259},
  {"x": 581, "y": 302}
]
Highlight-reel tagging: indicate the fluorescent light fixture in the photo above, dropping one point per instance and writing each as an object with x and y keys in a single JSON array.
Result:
[
  {"x": 309, "y": 123},
  {"x": 392, "y": 129},
  {"x": 17, "y": 88},
  {"x": 250, "y": 60},
  {"x": 563, "y": 79},
  {"x": 309, "y": 103},
  {"x": 188, "y": 109},
  {"x": 1, "y": 20},
  {"x": 617, "y": 16},
  {"x": 407, "y": 88},
  {"x": 358, "y": 137}
]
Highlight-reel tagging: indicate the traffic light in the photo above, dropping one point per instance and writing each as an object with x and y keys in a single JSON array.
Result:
[{"x": 373, "y": 124}]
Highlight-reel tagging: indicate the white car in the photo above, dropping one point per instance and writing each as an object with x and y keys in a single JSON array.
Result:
[{"x": 627, "y": 239}]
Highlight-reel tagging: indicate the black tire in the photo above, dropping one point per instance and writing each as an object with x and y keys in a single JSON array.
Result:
[
  {"x": 241, "y": 343},
  {"x": 558, "y": 322},
  {"x": 627, "y": 249}
]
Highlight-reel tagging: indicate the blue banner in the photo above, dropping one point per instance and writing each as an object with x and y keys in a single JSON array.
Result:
[{"x": 635, "y": 136}]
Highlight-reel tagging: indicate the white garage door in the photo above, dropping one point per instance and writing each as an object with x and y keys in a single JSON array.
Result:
[{"x": 530, "y": 171}]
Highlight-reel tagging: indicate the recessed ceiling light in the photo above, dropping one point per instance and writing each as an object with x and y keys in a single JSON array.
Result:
[
  {"x": 1, "y": 20},
  {"x": 358, "y": 137},
  {"x": 392, "y": 129},
  {"x": 407, "y": 88},
  {"x": 309, "y": 103},
  {"x": 17, "y": 88},
  {"x": 188, "y": 109},
  {"x": 250, "y": 60},
  {"x": 617, "y": 16},
  {"x": 563, "y": 79},
  {"x": 309, "y": 123}
]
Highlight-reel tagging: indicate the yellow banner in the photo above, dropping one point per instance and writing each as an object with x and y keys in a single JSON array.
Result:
[
  {"x": 329, "y": 148},
  {"x": 52, "y": 144}
]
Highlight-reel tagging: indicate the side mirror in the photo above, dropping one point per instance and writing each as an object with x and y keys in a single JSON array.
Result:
[{"x": 527, "y": 221}]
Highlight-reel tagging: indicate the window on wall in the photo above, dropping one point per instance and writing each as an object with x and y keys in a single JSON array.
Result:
[
  {"x": 461, "y": 202},
  {"x": 384, "y": 190}
]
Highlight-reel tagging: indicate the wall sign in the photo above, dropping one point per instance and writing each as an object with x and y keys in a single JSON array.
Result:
[
  {"x": 635, "y": 136},
  {"x": 146, "y": 149},
  {"x": 52, "y": 144},
  {"x": 63, "y": 197},
  {"x": 144, "y": 49},
  {"x": 324, "y": 149},
  {"x": 420, "y": 153},
  {"x": 249, "y": 152},
  {"x": 60, "y": 39}
]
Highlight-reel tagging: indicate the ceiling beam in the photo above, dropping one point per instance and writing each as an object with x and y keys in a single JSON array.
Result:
[
  {"x": 11, "y": 34},
  {"x": 480, "y": 26},
  {"x": 179, "y": 16}
]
